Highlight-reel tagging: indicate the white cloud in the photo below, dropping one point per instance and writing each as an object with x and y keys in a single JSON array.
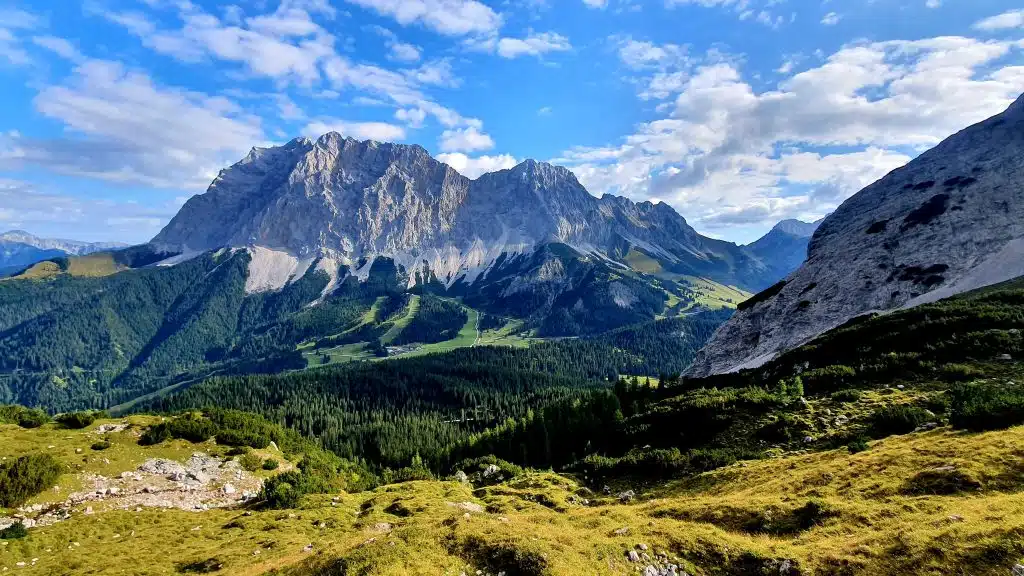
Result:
[
  {"x": 725, "y": 152},
  {"x": 448, "y": 17},
  {"x": 58, "y": 46},
  {"x": 533, "y": 44},
  {"x": 933, "y": 3},
  {"x": 1006, "y": 20},
  {"x": 599, "y": 4},
  {"x": 403, "y": 52},
  {"x": 126, "y": 128},
  {"x": 13, "y": 21},
  {"x": 545, "y": 111},
  {"x": 25, "y": 207},
  {"x": 639, "y": 55},
  {"x": 380, "y": 131},
  {"x": 467, "y": 140},
  {"x": 830, "y": 19},
  {"x": 414, "y": 117},
  {"x": 398, "y": 51},
  {"x": 284, "y": 45},
  {"x": 475, "y": 167}
]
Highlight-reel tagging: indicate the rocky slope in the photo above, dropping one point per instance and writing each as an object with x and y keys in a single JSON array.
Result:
[
  {"x": 343, "y": 203},
  {"x": 949, "y": 221}
]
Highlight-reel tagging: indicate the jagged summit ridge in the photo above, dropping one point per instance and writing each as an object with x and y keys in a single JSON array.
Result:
[
  {"x": 345, "y": 202},
  {"x": 949, "y": 221}
]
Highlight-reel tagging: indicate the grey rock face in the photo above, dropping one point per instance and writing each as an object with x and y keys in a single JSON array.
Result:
[
  {"x": 949, "y": 221},
  {"x": 352, "y": 201},
  {"x": 784, "y": 248}
]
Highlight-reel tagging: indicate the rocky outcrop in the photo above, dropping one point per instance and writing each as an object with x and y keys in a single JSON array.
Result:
[
  {"x": 949, "y": 221},
  {"x": 348, "y": 202}
]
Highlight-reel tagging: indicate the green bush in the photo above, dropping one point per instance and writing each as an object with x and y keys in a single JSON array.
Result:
[
  {"x": 270, "y": 464},
  {"x": 76, "y": 420},
  {"x": 959, "y": 372},
  {"x": 250, "y": 462},
  {"x": 986, "y": 406},
  {"x": 848, "y": 395},
  {"x": 857, "y": 445},
  {"x": 24, "y": 417},
  {"x": 192, "y": 428},
  {"x": 155, "y": 434},
  {"x": 242, "y": 438},
  {"x": 26, "y": 476},
  {"x": 14, "y": 532},
  {"x": 101, "y": 445},
  {"x": 896, "y": 419}
]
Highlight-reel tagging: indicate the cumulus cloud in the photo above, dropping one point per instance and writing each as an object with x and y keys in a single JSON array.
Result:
[
  {"x": 123, "y": 127},
  {"x": 448, "y": 17},
  {"x": 726, "y": 152},
  {"x": 475, "y": 167},
  {"x": 1005, "y": 21},
  {"x": 397, "y": 50},
  {"x": 467, "y": 139}
]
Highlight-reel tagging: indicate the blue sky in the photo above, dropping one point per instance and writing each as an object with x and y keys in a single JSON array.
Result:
[{"x": 738, "y": 113}]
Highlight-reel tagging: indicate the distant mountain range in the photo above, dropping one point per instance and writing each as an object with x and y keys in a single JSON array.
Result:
[
  {"x": 19, "y": 249},
  {"x": 784, "y": 247},
  {"x": 950, "y": 221}
]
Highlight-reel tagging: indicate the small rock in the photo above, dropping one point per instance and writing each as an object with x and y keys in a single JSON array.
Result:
[
  {"x": 808, "y": 439},
  {"x": 642, "y": 547},
  {"x": 114, "y": 491},
  {"x": 633, "y": 556},
  {"x": 88, "y": 510},
  {"x": 78, "y": 450},
  {"x": 626, "y": 496},
  {"x": 228, "y": 489},
  {"x": 621, "y": 531},
  {"x": 256, "y": 552},
  {"x": 460, "y": 476},
  {"x": 956, "y": 518},
  {"x": 491, "y": 470},
  {"x": 1017, "y": 570},
  {"x": 1005, "y": 358},
  {"x": 308, "y": 548},
  {"x": 382, "y": 527}
]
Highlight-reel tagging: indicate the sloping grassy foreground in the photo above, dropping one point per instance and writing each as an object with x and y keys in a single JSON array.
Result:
[{"x": 938, "y": 502}]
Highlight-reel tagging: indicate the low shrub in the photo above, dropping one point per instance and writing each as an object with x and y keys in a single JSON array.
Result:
[
  {"x": 242, "y": 438},
  {"x": 155, "y": 434},
  {"x": 14, "y": 532},
  {"x": 848, "y": 395},
  {"x": 857, "y": 445},
  {"x": 24, "y": 417},
  {"x": 896, "y": 419},
  {"x": 250, "y": 462},
  {"x": 101, "y": 445},
  {"x": 986, "y": 406},
  {"x": 959, "y": 372},
  {"x": 76, "y": 420},
  {"x": 192, "y": 428},
  {"x": 270, "y": 464},
  {"x": 26, "y": 476}
]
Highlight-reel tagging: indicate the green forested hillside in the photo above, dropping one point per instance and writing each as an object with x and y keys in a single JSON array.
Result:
[{"x": 69, "y": 340}]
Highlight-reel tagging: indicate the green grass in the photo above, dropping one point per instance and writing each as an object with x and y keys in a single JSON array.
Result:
[
  {"x": 401, "y": 323},
  {"x": 467, "y": 337},
  {"x": 713, "y": 295},
  {"x": 742, "y": 519}
]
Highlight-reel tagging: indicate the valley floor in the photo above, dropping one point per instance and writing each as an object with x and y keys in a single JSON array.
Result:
[{"x": 936, "y": 502}]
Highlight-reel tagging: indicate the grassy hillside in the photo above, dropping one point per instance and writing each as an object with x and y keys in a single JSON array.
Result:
[{"x": 876, "y": 512}]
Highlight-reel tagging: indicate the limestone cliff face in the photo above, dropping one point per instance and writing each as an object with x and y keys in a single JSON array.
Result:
[
  {"x": 350, "y": 202},
  {"x": 949, "y": 221}
]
